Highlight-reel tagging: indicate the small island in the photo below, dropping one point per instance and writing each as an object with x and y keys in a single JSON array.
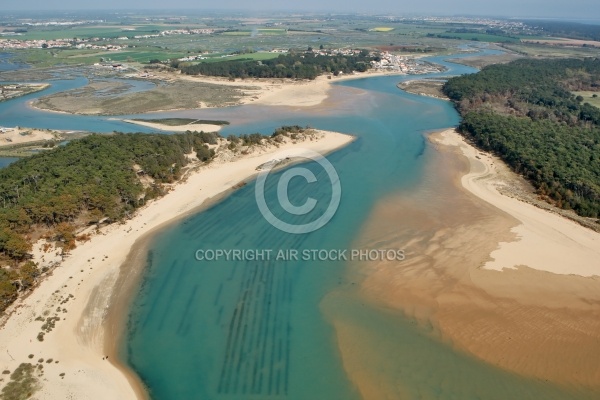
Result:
[{"x": 14, "y": 90}]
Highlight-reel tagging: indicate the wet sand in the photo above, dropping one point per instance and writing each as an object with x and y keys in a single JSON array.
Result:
[{"x": 535, "y": 324}]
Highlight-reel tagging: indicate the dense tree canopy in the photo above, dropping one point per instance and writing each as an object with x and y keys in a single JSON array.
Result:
[
  {"x": 294, "y": 66},
  {"x": 97, "y": 178},
  {"x": 525, "y": 112},
  {"x": 83, "y": 182}
]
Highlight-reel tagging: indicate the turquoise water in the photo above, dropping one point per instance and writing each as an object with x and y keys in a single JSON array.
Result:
[
  {"x": 255, "y": 329},
  {"x": 17, "y": 112}
]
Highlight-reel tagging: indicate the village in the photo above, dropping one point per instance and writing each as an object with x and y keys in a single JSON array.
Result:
[
  {"x": 16, "y": 44},
  {"x": 90, "y": 43},
  {"x": 408, "y": 65},
  {"x": 382, "y": 61}
]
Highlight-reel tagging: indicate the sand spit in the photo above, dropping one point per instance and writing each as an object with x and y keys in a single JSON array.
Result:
[
  {"x": 476, "y": 279},
  {"x": 177, "y": 128}
]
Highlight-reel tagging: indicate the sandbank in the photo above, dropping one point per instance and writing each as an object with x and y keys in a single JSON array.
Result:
[{"x": 177, "y": 128}]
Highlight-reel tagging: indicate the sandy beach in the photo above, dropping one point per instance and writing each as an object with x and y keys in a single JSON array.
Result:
[
  {"x": 543, "y": 241},
  {"x": 490, "y": 276},
  {"x": 177, "y": 128},
  {"x": 19, "y": 135},
  {"x": 80, "y": 289},
  {"x": 281, "y": 92}
]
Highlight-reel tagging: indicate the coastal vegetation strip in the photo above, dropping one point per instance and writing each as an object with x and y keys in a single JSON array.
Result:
[
  {"x": 294, "y": 66},
  {"x": 525, "y": 113},
  {"x": 60, "y": 195}
]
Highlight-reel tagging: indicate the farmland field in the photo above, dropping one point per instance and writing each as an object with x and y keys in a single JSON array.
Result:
[
  {"x": 86, "y": 32},
  {"x": 483, "y": 37},
  {"x": 50, "y": 57},
  {"x": 272, "y": 31},
  {"x": 540, "y": 50}
]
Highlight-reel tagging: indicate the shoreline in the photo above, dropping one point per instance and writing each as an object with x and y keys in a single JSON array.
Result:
[
  {"x": 176, "y": 128},
  {"x": 266, "y": 92},
  {"x": 286, "y": 92},
  {"x": 545, "y": 240},
  {"x": 22, "y": 136},
  {"x": 37, "y": 87},
  {"x": 406, "y": 87},
  {"x": 532, "y": 315},
  {"x": 94, "y": 318}
]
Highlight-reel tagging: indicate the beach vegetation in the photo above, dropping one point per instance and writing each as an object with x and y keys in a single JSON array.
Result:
[
  {"x": 22, "y": 385},
  {"x": 96, "y": 179},
  {"x": 526, "y": 112},
  {"x": 54, "y": 193}
]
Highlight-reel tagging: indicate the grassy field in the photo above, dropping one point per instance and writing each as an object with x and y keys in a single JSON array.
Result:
[
  {"x": 524, "y": 37},
  {"x": 143, "y": 56},
  {"x": 257, "y": 32},
  {"x": 236, "y": 33},
  {"x": 102, "y": 31},
  {"x": 250, "y": 56},
  {"x": 540, "y": 50},
  {"x": 483, "y": 61},
  {"x": 484, "y": 37},
  {"x": 272, "y": 31},
  {"x": 87, "y": 32},
  {"x": 51, "y": 57},
  {"x": 588, "y": 97}
]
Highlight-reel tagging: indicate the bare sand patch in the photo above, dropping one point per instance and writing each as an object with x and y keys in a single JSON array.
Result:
[
  {"x": 177, "y": 128},
  {"x": 539, "y": 324},
  {"x": 20, "y": 135}
]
